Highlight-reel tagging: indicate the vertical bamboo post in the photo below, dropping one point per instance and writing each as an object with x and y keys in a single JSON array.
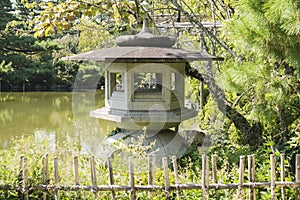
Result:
[
  {"x": 93, "y": 176},
  {"x": 177, "y": 182},
  {"x": 282, "y": 174},
  {"x": 251, "y": 174},
  {"x": 204, "y": 177},
  {"x": 273, "y": 176},
  {"x": 253, "y": 169},
  {"x": 166, "y": 177},
  {"x": 214, "y": 173},
  {"x": 56, "y": 180},
  {"x": 131, "y": 179},
  {"x": 254, "y": 175},
  {"x": 76, "y": 170},
  {"x": 207, "y": 174},
  {"x": 45, "y": 177},
  {"x": 111, "y": 176},
  {"x": 153, "y": 168},
  {"x": 150, "y": 173},
  {"x": 241, "y": 176},
  {"x": 25, "y": 178},
  {"x": 297, "y": 168}
]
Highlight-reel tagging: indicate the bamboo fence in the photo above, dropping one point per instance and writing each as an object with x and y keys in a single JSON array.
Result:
[{"x": 208, "y": 182}]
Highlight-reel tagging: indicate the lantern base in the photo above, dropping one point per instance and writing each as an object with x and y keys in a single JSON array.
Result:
[{"x": 138, "y": 120}]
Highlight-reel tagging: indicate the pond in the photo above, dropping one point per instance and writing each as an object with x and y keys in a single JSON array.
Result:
[{"x": 56, "y": 116}]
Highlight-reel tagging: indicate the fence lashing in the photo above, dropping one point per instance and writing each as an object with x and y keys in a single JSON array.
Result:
[{"x": 22, "y": 188}]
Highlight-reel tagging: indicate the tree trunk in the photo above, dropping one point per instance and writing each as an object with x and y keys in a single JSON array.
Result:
[{"x": 252, "y": 134}]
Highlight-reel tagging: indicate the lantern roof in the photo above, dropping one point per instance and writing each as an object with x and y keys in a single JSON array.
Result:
[
  {"x": 143, "y": 47},
  {"x": 142, "y": 54}
]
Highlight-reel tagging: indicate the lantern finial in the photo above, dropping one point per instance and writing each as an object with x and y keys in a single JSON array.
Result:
[
  {"x": 145, "y": 39},
  {"x": 145, "y": 28}
]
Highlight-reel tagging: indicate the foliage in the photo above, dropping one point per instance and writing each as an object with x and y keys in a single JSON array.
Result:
[
  {"x": 98, "y": 35},
  {"x": 55, "y": 17},
  {"x": 35, "y": 62},
  {"x": 4, "y": 70},
  {"x": 266, "y": 81},
  {"x": 262, "y": 84},
  {"x": 5, "y": 12},
  {"x": 269, "y": 29},
  {"x": 31, "y": 59}
]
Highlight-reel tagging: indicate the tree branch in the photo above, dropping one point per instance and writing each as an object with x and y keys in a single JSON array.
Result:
[
  {"x": 197, "y": 24},
  {"x": 26, "y": 51},
  {"x": 252, "y": 134}
]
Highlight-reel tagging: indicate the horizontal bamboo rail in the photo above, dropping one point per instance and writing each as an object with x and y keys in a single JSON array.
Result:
[{"x": 23, "y": 187}]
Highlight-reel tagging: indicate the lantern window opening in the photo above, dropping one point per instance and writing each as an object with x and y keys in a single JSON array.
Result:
[
  {"x": 116, "y": 82},
  {"x": 148, "y": 83}
]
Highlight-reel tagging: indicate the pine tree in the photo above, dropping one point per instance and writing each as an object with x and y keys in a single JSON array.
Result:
[
  {"x": 269, "y": 29},
  {"x": 29, "y": 58},
  {"x": 5, "y": 13},
  {"x": 265, "y": 84}
]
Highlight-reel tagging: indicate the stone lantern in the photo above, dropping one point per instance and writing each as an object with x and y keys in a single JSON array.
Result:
[{"x": 144, "y": 82}]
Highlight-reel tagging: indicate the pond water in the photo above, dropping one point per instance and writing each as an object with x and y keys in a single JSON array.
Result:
[
  {"x": 57, "y": 116},
  {"x": 62, "y": 118}
]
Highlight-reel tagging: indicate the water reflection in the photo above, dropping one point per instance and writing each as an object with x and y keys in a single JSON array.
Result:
[{"x": 54, "y": 115}]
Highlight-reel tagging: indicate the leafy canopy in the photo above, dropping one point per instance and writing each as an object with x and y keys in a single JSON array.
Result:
[{"x": 267, "y": 28}]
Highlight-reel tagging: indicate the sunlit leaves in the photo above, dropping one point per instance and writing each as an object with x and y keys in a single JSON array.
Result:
[
  {"x": 56, "y": 17},
  {"x": 267, "y": 28},
  {"x": 5, "y": 67},
  {"x": 93, "y": 36},
  {"x": 239, "y": 78},
  {"x": 286, "y": 12}
]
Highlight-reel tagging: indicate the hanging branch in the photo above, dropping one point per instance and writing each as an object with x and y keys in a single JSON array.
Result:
[
  {"x": 215, "y": 4},
  {"x": 198, "y": 25},
  {"x": 137, "y": 12}
]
